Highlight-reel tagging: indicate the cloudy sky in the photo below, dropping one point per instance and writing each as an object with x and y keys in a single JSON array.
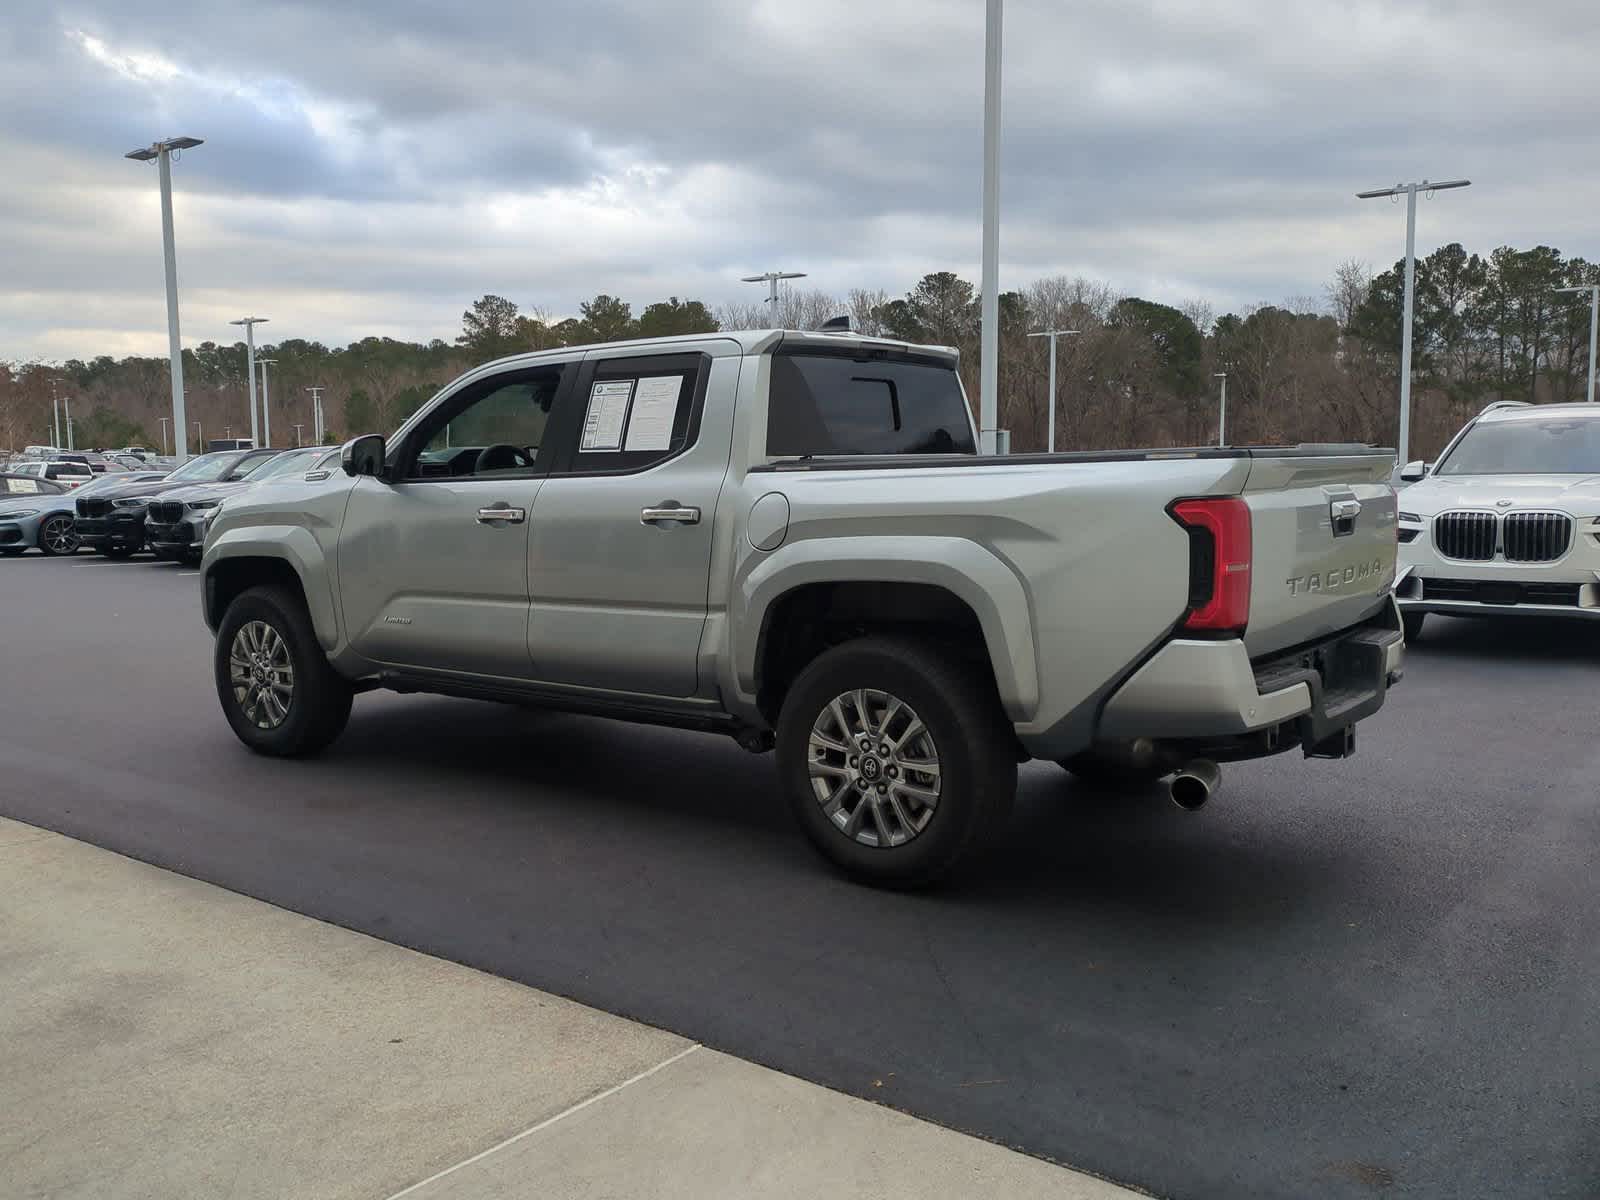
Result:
[{"x": 371, "y": 167}]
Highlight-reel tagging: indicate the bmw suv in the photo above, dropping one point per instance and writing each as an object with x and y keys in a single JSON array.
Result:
[{"x": 1507, "y": 522}]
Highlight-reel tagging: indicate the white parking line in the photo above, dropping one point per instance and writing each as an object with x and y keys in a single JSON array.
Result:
[{"x": 546, "y": 1123}]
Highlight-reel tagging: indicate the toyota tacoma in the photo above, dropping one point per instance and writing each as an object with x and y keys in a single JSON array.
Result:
[{"x": 791, "y": 538}]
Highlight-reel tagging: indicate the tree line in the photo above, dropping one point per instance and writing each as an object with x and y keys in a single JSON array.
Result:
[{"x": 1135, "y": 372}]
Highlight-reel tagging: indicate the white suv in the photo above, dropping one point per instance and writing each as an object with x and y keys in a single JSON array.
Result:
[{"x": 1507, "y": 522}]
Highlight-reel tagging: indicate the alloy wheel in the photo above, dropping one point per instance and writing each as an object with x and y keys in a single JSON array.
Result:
[
  {"x": 59, "y": 535},
  {"x": 261, "y": 674},
  {"x": 874, "y": 767}
]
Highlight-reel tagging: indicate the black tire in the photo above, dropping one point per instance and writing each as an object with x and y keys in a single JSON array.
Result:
[
  {"x": 972, "y": 740},
  {"x": 1110, "y": 774},
  {"x": 1413, "y": 624},
  {"x": 58, "y": 529},
  {"x": 318, "y": 706}
]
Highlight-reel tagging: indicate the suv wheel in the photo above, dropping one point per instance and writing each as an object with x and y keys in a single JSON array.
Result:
[
  {"x": 896, "y": 759},
  {"x": 276, "y": 687},
  {"x": 57, "y": 535}
]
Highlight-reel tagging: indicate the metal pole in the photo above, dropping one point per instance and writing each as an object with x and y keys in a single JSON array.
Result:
[
  {"x": 1594, "y": 328},
  {"x": 297, "y": 429},
  {"x": 250, "y": 361},
  {"x": 266, "y": 405},
  {"x": 174, "y": 344},
  {"x": 316, "y": 414},
  {"x": 199, "y": 439},
  {"x": 163, "y": 421},
  {"x": 989, "y": 379},
  {"x": 1222, "y": 421},
  {"x": 1405, "y": 332},
  {"x": 1050, "y": 442},
  {"x": 66, "y": 404},
  {"x": 55, "y": 416}
]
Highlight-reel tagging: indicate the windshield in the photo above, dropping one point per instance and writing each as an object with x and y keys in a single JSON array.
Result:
[
  {"x": 286, "y": 464},
  {"x": 205, "y": 469},
  {"x": 1527, "y": 447}
]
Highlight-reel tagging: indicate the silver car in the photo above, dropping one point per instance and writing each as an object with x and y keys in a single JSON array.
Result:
[{"x": 36, "y": 512}]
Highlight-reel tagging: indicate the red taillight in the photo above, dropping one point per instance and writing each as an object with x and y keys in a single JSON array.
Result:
[{"x": 1219, "y": 598}]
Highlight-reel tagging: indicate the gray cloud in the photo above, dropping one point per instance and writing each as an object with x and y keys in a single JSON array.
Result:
[{"x": 380, "y": 164}]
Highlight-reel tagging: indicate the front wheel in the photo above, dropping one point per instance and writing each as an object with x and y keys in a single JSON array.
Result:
[
  {"x": 277, "y": 690},
  {"x": 896, "y": 758},
  {"x": 57, "y": 535},
  {"x": 1413, "y": 624}
]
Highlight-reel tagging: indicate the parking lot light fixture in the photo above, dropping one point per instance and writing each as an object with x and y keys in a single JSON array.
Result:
[
  {"x": 1053, "y": 334},
  {"x": 771, "y": 278},
  {"x": 1409, "y": 191},
  {"x": 161, "y": 152},
  {"x": 250, "y": 324},
  {"x": 1594, "y": 325}
]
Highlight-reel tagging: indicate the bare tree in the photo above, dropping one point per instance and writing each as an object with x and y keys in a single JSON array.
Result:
[{"x": 1352, "y": 280}]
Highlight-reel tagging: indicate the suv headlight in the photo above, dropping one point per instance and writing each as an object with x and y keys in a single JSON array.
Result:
[
  {"x": 137, "y": 502},
  {"x": 202, "y": 505},
  {"x": 1412, "y": 517}
]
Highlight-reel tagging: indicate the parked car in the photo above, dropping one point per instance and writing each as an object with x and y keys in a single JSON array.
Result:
[
  {"x": 112, "y": 521},
  {"x": 69, "y": 474},
  {"x": 1507, "y": 522},
  {"x": 35, "y": 512},
  {"x": 791, "y": 538},
  {"x": 176, "y": 520}
]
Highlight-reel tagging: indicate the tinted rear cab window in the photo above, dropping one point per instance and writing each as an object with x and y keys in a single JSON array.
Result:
[{"x": 841, "y": 404}]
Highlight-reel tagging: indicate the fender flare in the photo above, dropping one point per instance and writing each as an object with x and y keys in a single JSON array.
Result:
[
  {"x": 289, "y": 544},
  {"x": 974, "y": 575}
]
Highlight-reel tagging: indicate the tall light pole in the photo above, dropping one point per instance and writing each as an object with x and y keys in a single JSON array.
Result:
[
  {"x": 55, "y": 416},
  {"x": 162, "y": 153},
  {"x": 1594, "y": 325},
  {"x": 772, "y": 278},
  {"x": 297, "y": 429},
  {"x": 316, "y": 414},
  {"x": 66, "y": 407},
  {"x": 266, "y": 404},
  {"x": 989, "y": 378},
  {"x": 199, "y": 439},
  {"x": 1053, "y": 334},
  {"x": 1409, "y": 190},
  {"x": 250, "y": 324},
  {"x": 163, "y": 421},
  {"x": 1222, "y": 421}
]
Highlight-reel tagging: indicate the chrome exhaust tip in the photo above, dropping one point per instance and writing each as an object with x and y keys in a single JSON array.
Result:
[{"x": 1194, "y": 784}]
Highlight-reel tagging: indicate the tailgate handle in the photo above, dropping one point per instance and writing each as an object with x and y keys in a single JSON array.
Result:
[{"x": 1344, "y": 514}]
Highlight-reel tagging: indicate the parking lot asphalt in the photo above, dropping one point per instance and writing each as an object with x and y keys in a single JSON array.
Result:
[{"x": 1378, "y": 976}]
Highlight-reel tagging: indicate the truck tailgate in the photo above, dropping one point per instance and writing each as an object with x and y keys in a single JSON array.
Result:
[{"x": 1323, "y": 535}]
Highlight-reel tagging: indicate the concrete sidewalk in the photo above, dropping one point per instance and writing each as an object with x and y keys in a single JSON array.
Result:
[{"x": 161, "y": 1037}]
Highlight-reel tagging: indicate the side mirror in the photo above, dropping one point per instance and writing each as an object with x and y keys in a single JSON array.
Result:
[
  {"x": 364, "y": 455},
  {"x": 1413, "y": 471}
]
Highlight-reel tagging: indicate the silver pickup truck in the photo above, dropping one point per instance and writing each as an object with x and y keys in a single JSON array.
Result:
[{"x": 790, "y": 538}]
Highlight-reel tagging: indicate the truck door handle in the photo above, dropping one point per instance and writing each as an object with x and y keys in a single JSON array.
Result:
[
  {"x": 684, "y": 515},
  {"x": 502, "y": 512}
]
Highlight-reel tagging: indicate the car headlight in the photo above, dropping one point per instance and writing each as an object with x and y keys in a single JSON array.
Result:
[
  {"x": 16, "y": 514},
  {"x": 140, "y": 502},
  {"x": 1412, "y": 517},
  {"x": 202, "y": 505}
]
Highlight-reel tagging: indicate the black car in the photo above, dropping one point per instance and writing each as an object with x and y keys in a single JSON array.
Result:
[{"x": 112, "y": 520}]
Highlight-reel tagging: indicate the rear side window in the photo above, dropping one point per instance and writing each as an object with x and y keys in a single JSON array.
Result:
[{"x": 837, "y": 404}]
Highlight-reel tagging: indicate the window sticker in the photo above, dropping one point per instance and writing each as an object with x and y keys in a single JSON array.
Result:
[
  {"x": 655, "y": 408},
  {"x": 608, "y": 412}
]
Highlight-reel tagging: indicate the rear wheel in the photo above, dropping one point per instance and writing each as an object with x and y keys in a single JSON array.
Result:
[
  {"x": 57, "y": 535},
  {"x": 279, "y": 693},
  {"x": 896, "y": 759},
  {"x": 1413, "y": 624}
]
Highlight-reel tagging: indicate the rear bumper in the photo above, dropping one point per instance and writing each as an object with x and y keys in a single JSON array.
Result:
[{"x": 1210, "y": 696}]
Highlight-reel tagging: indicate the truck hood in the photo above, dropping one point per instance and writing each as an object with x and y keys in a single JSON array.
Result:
[{"x": 1579, "y": 494}]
